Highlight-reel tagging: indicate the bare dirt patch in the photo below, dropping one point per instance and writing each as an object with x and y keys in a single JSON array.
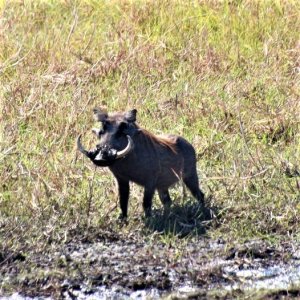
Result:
[{"x": 107, "y": 264}]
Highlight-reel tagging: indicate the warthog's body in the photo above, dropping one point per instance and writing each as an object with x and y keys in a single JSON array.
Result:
[{"x": 154, "y": 162}]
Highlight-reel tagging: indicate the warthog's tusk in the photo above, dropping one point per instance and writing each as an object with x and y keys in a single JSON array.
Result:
[
  {"x": 119, "y": 154},
  {"x": 97, "y": 155},
  {"x": 80, "y": 147},
  {"x": 127, "y": 149}
]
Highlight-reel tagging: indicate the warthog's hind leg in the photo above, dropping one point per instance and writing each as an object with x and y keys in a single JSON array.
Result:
[{"x": 192, "y": 183}]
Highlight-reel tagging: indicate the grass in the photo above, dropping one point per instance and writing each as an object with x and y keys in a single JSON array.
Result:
[{"x": 225, "y": 75}]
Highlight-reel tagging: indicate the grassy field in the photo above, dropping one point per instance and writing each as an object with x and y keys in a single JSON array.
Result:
[{"x": 224, "y": 74}]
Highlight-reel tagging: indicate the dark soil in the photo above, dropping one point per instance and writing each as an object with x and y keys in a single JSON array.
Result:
[{"x": 96, "y": 259}]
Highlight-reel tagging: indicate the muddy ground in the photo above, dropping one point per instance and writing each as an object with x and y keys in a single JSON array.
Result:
[{"x": 106, "y": 265}]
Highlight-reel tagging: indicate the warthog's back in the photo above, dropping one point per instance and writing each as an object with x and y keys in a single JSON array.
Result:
[{"x": 173, "y": 157}]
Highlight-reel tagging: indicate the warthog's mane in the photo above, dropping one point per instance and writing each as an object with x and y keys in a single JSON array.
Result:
[{"x": 168, "y": 142}]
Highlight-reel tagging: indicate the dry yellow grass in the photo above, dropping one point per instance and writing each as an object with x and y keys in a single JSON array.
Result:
[{"x": 223, "y": 74}]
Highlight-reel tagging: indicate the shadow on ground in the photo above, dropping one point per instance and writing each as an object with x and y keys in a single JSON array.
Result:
[{"x": 185, "y": 219}]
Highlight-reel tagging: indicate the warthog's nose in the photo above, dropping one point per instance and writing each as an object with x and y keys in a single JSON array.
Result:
[{"x": 106, "y": 153}]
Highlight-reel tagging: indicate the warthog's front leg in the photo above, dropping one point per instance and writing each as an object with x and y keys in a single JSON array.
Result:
[{"x": 123, "y": 186}]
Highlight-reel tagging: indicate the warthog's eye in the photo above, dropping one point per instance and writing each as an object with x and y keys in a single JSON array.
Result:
[
  {"x": 105, "y": 126},
  {"x": 122, "y": 127}
]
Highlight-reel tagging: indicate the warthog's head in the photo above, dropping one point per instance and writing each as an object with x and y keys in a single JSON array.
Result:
[{"x": 115, "y": 137}]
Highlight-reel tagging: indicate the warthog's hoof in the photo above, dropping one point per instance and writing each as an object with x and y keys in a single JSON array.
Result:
[{"x": 122, "y": 220}]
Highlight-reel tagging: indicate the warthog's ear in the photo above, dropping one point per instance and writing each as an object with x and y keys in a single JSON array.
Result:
[
  {"x": 130, "y": 116},
  {"x": 100, "y": 115}
]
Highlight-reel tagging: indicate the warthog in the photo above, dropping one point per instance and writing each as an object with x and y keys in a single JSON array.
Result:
[{"x": 134, "y": 154}]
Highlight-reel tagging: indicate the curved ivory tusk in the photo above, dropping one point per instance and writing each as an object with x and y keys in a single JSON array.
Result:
[
  {"x": 127, "y": 149},
  {"x": 80, "y": 147}
]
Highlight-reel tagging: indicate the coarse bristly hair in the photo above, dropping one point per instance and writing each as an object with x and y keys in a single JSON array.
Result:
[{"x": 161, "y": 140}]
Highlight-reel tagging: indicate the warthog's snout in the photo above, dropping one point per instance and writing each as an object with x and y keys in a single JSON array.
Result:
[{"x": 105, "y": 155}]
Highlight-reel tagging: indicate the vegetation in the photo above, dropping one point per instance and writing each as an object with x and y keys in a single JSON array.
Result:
[{"x": 224, "y": 74}]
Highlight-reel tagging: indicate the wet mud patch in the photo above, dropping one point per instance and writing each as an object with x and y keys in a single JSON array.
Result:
[{"x": 103, "y": 264}]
